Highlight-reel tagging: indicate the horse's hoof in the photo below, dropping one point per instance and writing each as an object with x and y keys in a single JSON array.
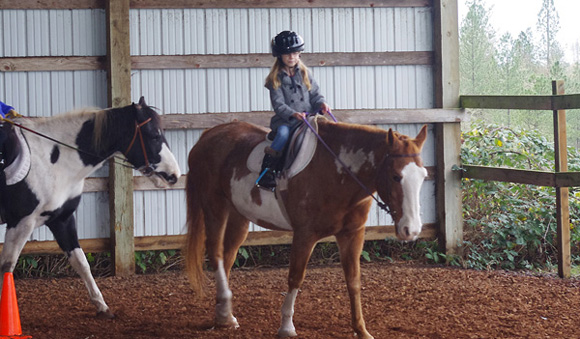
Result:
[
  {"x": 285, "y": 333},
  {"x": 105, "y": 314},
  {"x": 364, "y": 336},
  {"x": 230, "y": 323}
]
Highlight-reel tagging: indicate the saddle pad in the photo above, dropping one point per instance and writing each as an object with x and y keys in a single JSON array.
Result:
[
  {"x": 303, "y": 157},
  {"x": 18, "y": 170}
]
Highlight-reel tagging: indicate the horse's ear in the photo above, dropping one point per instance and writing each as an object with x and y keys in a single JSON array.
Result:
[
  {"x": 420, "y": 138},
  {"x": 142, "y": 101},
  {"x": 390, "y": 137}
]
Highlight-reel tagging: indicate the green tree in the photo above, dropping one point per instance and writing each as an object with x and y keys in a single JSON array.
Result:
[
  {"x": 522, "y": 65},
  {"x": 548, "y": 26},
  {"x": 476, "y": 52}
]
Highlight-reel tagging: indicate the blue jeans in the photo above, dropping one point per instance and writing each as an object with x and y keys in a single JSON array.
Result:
[{"x": 281, "y": 138}]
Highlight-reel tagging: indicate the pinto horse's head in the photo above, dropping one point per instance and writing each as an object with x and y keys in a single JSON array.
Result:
[
  {"x": 400, "y": 178},
  {"x": 148, "y": 150}
]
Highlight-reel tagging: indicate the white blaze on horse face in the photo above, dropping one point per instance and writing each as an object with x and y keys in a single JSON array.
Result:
[{"x": 412, "y": 179}]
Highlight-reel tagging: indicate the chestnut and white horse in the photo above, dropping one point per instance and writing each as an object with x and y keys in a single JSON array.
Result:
[
  {"x": 48, "y": 160},
  {"x": 330, "y": 196}
]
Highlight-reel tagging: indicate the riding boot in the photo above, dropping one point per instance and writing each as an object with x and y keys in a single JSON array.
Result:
[{"x": 267, "y": 178}]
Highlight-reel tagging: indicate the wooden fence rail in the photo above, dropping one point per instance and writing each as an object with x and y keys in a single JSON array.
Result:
[
  {"x": 529, "y": 102},
  {"x": 561, "y": 179}
]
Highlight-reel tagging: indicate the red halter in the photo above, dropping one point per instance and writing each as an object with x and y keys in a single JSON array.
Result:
[{"x": 148, "y": 169}]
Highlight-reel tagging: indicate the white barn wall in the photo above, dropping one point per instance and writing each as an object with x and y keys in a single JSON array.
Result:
[
  {"x": 37, "y": 33},
  {"x": 214, "y": 31},
  {"x": 324, "y": 30}
]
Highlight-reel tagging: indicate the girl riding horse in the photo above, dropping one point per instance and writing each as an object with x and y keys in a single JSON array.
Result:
[{"x": 293, "y": 91}]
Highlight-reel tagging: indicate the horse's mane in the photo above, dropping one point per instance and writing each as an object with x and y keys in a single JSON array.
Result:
[
  {"x": 355, "y": 131},
  {"x": 100, "y": 124},
  {"x": 99, "y": 115},
  {"x": 102, "y": 118},
  {"x": 366, "y": 136}
]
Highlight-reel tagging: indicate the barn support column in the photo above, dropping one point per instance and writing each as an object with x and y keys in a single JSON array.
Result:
[
  {"x": 448, "y": 135},
  {"x": 120, "y": 178}
]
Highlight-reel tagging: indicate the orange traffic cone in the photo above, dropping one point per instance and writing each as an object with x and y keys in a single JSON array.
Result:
[{"x": 9, "y": 315}]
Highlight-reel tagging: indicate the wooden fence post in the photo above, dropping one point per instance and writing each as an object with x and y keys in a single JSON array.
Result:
[
  {"x": 120, "y": 178},
  {"x": 562, "y": 193},
  {"x": 448, "y": 135}
]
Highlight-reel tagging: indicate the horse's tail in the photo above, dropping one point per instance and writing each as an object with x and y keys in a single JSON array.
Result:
[{"x": 195, "y": 243}]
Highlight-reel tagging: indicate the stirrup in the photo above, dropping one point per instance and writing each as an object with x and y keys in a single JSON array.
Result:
[{"x": 270, "y": 187}]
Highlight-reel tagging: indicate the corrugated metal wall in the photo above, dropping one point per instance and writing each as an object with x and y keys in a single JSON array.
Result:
[{"x": 214, "y": 31}]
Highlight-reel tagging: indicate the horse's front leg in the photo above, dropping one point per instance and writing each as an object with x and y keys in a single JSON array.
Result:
[
  {"x": 351, "y": 244},
  {"x": 300, "y": 252},
  {"x": 14, "y": 241},
  {"x": 65, "y": 233}
]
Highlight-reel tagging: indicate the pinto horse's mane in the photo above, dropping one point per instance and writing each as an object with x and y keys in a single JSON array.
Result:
[{"x": 103, "y": 116}]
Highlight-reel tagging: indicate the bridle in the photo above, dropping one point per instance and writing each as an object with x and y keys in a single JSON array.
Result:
[
  {"x": 148, "y": 169},
  {"x": 381, "y": 204}
]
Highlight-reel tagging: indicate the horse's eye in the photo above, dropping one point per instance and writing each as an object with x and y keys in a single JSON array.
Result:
[{"x": 397, "y": 178}]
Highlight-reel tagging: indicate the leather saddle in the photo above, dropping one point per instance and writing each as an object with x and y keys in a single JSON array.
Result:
[
  {"x": 298, "y": 153},
  {"x": 17, "y": 156}
]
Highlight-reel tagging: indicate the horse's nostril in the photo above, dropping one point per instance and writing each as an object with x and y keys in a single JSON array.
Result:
[
  {"x": 407, "y": 233},
  {"x": 172, "y": 179}
]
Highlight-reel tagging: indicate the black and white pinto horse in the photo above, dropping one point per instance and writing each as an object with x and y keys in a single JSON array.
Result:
[{"x": 46, "y": 187}]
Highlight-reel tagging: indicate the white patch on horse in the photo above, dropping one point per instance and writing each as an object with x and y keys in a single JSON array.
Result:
[
  {"x": 78, "y": 261},
  {"x": 287, "y": 328},
  {"x": 269, "y": 211},
  {"x": 412, "y": 180},
  {"x": 223, "y": 307},
  {"x": 167, "y": 165},
  {"x": 355, "y": 160},
  {"x": 59, "y": 188}
]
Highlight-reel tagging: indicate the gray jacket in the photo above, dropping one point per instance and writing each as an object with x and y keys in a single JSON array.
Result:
[{"x": 293, "y": 96}]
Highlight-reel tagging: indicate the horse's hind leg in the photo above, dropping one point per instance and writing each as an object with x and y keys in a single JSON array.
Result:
[
  {"x": 65, "y": 233},
  {"x": 350, "y": 245},
  {"x": 222, "y": 243},
  {"x": 236, "y": 233}
]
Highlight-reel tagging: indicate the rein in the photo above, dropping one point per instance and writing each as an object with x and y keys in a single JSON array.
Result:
[
  {"x": 76, "y": 148},
  {"x": 381, "y": 204}
]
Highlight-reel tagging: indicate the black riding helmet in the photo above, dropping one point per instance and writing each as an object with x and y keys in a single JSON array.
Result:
[{"x": 287, "y": 42}]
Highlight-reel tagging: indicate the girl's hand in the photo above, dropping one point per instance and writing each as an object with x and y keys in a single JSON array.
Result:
[
  {"x": 324, "y": 108},
  {"x": 298, "y": 115}
]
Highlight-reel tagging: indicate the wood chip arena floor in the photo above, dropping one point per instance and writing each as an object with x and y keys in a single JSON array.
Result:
[{"x": 399, "y": 301}]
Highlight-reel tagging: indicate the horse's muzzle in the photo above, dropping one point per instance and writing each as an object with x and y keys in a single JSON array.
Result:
[{"x": 170, "y": 178}]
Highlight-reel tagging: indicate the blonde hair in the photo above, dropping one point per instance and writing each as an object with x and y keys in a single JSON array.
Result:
[{"x": 273, "y": 81}]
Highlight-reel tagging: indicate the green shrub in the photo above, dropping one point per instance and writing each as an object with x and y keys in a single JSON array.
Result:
[{"x": 512, "y": 226}]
